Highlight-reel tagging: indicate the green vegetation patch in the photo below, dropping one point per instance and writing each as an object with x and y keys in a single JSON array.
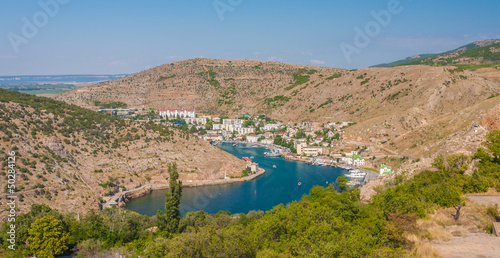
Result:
[
  {"x": 114, "y": 104},
  {"x": 162, "y": 78},
  {"x": 277, "y": 101},
  {"x": 329, "y": 101},
  {"x": 211, "y": 74},
  {"x": 365, "y": 81},
  {"x": 335, "y": 75},
  {"x": 322, "y": 224},
  {"x": 278, "y": 98},
  {"x": 487, "y": 53},
  {"x": 300, "y": 77}
]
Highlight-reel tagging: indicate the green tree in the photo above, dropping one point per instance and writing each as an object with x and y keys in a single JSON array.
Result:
[
  {"x": 342, "y": 181},
  {"x": 169, "y": 221},
  {"x": 48, "y": 237},
  {"x": 209, "y": 125},
  {"x": 493, "y": 143}
]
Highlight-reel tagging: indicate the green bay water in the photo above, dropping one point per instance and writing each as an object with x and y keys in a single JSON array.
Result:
[{"x": 277, "y": 185}]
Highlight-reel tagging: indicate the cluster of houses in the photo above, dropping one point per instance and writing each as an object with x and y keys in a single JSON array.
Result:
[
  {"x": 127, "y": 112},
  {"x": 354, "y": 159},
  {"x": 233, "y": 126},
  {"x": 306, "y": 141}
]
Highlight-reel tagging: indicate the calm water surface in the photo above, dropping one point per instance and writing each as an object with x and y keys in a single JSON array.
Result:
[{"x": 277, "y": 185}]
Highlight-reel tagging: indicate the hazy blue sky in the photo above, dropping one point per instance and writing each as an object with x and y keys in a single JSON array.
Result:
[{"x": 111, "y": 36}]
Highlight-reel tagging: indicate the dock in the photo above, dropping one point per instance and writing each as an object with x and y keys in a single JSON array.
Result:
[{"x": 370, "y": 175}]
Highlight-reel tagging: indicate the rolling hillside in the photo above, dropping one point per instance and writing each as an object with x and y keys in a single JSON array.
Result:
[
  {"x": 69, "y": 157},
  {"x": 387, "y": 103}
]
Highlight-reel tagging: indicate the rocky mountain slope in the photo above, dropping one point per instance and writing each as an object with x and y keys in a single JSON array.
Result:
[
  {"x": 406, "y": 109},
  {"x": 69, "y": 157}
]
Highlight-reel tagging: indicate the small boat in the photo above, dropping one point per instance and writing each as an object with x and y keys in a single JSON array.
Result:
[
  {"x": 274, "y": 166},
  {"x": 251, "y": 157},
  {"x": 272, "y": 154},
  {"x": 299, "y": 184},
  {"x": 236, "y": 144}
]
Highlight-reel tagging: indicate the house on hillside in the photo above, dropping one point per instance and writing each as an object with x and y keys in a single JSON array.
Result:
[
  {"x": 228, "y": 121},
  {"x": 196, "y": 120},
  {"x": 319, "y": 139},
  {"x": 245, "y": 130},
  {"x": 268, "y": 135},
  {"x": 385, "y": 170},
  {"x": 270, "y": 127},
  {"x": 310, "y": 133},
  {"x": 354, "y": 160}
]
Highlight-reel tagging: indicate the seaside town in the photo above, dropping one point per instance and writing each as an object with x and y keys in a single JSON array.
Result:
[{"x": 310, "y": 142}]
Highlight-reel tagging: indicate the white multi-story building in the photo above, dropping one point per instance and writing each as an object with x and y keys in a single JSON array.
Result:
[
  {"x": 252, "y": 138},
  {"x": 238, "y": 128},
  {"x": 245, "y": 130},
  {"x": 270, "y": 127},
  {"x": 196, "y": 120},
  {"x": 267, "y": 141},
  {"x": 174, "y": 113},
  {"x": 228, "y": 121},
  {"x": 311, "y": 151},
  {"x": 355, "y": 160},
  {"x": 227, "y": 127},
  {"x": 297, "y": 142}
]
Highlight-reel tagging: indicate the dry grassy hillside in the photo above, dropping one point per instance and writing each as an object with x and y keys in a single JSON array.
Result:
[
  {"x": 400, "y": 108},
  {"x": 68, "y": 157}
]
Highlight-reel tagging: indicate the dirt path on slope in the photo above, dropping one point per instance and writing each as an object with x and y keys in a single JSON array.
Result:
[{"x": 473, "y": 245}]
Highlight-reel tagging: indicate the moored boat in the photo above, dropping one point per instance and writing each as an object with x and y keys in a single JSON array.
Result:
[{"x": 272, "y": 154}]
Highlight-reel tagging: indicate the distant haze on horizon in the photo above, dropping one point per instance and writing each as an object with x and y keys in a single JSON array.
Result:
[{"x": 52, "y": 37}]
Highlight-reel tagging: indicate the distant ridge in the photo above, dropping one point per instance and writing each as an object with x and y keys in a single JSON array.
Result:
[
  {"x": 404, "y": 61},
  {"x": 480, "y": 52},
  {"x": 60, "y": 79}
]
